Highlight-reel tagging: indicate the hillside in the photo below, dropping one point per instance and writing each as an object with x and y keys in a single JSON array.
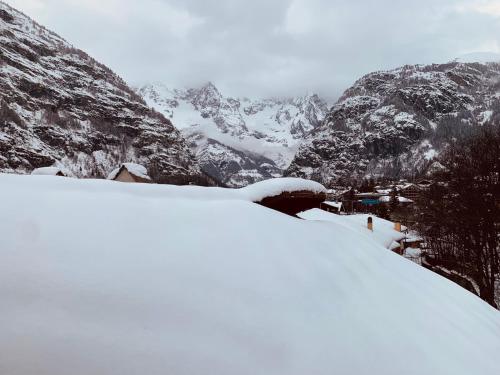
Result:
[
  {"x": 60, "y": 106},
  {"x": 206, "y": 282},
  {"x": 238, "y": 141},
  {"x": 395, "y": 123}
]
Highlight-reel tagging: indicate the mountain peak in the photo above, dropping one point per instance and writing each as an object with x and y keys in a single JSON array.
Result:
[{"x": 239, "y": 141}]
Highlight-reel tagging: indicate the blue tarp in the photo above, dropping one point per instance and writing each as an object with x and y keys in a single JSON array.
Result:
[{"x": 370, "y": 202}]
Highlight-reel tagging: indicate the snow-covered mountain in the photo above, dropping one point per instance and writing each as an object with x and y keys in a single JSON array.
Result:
[
  {"x": 59, "y": 106},
  {"x": 395, "y": 123},
  {"x": 238, "y": 141}
]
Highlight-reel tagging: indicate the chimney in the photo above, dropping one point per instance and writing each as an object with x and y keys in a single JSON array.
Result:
[
  {"x": 370, "y": 223},
  {"x": 397, "y": 226}
]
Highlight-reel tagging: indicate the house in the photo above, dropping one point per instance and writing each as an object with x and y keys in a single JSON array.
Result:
[
  {"x": 411, "y": 191},
  {"x": 402, "y": 200},
  {"x": 413, "y": 242},
  {"x": 291, "y": 203},
  {"x": 49, "y": 171},
  {"x": 287, "y": 195},
  {"x": 130, "y": 172},
  {"x": 333, "y": 207}
]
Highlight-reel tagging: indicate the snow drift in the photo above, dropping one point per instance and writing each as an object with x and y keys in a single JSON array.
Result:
[{"x": 99, "y": 277}]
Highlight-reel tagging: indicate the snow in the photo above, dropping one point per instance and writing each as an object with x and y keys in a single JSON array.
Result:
[
  {"x": 387, "y": 198},
  {"x": 383, "y": 232},
  {"x": 276, "y": 186},
  {"x": 337, "y": 205},
  {"x": 413, "y": 252},
  {"x": 133, "y": 168},
  {"x": 264, "y": 127},
  {"x": 110, "y": 279},
  {"x": 48, "y": 171}
]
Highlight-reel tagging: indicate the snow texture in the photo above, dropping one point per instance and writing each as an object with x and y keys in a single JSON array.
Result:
[{"x": 111, "y": 279}]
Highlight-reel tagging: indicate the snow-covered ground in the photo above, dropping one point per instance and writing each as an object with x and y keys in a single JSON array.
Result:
[{"x": 101, "y": 277}]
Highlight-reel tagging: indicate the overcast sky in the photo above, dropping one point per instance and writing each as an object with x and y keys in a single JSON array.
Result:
[{"x": 268, "y": 47}]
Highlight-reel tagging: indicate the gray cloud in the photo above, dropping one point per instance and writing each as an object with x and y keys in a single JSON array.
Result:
[{"x": 269, "y": 47}]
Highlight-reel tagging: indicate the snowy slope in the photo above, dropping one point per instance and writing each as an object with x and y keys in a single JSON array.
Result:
[
  {"x": 149, "y": 279},
  {"x": 58, "y": 106},
  {"x": 238, "y": 141}
]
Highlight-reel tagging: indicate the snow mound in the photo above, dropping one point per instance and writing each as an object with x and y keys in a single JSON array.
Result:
[
  {"x": 277, "y": 186},
  {"x": 110, "y": 279},
  {"x": 133, "y": 168}
]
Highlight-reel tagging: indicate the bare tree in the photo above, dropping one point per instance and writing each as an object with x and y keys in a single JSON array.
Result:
[{"x": 460, "y": 215}]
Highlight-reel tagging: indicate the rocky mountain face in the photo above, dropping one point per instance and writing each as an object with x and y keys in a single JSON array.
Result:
[
  {"x": 238, "y": 141},
  {"x": 60, "y": 107},
  {"x": 394, "y": 124}
]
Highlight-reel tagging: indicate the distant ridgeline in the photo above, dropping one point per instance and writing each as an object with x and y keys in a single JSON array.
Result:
[{"x": 394, "y": 124}]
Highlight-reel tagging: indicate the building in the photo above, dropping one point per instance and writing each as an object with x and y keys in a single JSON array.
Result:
[
  {"x": 401, "y": 200},
  {"x": 130, "y": 172},
  {"x": 333, "y": 207},
  {"x": 411, "y": 191},
  {"x": 291, "y": 203},
  {"x": 49, "y": 171}
]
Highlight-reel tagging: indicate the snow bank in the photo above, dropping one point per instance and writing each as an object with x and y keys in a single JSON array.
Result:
[
  {"x": 133, "y": 168},
  {"x": 383, "y": 233},
  {"x": 104, "y": 278},
  {"x": 277, "y": 186}
]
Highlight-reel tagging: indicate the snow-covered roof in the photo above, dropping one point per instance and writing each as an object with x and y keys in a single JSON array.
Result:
[
  {"x": 277, "y": 186},
  {"x": 133, "y": 168},
  {"x": 337, "y": 205},
  {"x": 48, "y": 171},
  {"x": 384, "y": 191},
  {"x": 407, "y": 186},
  {"x": 209, "y": 283},
  {"x": 387, "y": 198}
]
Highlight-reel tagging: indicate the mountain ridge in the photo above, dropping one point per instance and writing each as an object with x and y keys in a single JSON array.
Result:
[
  {"x": 61, "y": 107},
  {"x": 395, "y": 123},
  {"x": 237, "y": 140}
]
